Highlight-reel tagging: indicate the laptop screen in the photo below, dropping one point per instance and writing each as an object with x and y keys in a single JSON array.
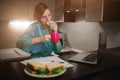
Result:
[{"x": 102, "y": 42}]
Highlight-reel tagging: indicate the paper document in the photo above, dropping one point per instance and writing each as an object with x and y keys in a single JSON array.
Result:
[
  {"x": 45, "y": 60},
  {"x": 12, "y": 54}
]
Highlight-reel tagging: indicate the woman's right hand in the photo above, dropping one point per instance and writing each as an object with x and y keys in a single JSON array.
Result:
[
  {"x": 44, "y": 38},
  {"x": 47, "y": 37},
  {"x": 53, "y": 25}
]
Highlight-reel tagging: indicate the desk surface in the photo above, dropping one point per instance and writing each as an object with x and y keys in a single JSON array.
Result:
[{"x": 109, "y": 61}]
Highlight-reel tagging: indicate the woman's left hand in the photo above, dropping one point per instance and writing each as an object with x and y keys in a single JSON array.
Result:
[{"x": 53, "y": 25}]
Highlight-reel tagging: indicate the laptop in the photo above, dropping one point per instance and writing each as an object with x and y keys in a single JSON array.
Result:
[
  {"x": 92, "y": 57},
  {"x": 13, "y": 54}
]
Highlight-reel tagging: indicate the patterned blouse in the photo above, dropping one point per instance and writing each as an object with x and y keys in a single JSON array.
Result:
[{"x": 38, "y": 50}]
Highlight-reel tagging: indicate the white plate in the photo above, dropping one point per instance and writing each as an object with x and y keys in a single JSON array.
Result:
[{"x": 44, "y": 76}]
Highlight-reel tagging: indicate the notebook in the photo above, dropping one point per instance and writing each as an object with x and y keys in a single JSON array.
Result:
[
  {"x": 92, "y": 57},
  {"x": 13, "y": 54}
]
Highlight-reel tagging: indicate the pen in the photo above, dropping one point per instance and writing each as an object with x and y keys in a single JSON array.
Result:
[{"x": 57, "y": 61}]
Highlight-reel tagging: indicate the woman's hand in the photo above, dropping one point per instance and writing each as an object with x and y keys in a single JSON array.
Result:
[
  {"x": 53, "y": 25},
  {"x": 47, "y": 38},
  {"x": 44, "y": 38}
]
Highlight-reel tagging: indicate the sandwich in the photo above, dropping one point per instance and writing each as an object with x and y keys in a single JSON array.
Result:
[
  {"x": 45, "y": 69},
  {"x": 36, "y": 68},
  {"x": 55, "y": 67}
]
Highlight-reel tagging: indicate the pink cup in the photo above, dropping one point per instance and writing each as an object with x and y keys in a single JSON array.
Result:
[{"x": 55, "y": 37}]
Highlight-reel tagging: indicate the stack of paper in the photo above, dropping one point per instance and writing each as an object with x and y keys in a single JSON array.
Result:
[
  {"x": 13, "y": 54},
  {"x": 45, "y": 60}
]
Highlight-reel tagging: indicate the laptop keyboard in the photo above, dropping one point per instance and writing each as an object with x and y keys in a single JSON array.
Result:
[{"x": 90, "y": 57}]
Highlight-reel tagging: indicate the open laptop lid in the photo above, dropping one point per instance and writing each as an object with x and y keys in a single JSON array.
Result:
[
  {"x": 82, "y": 57},
  {"x": 102, "y": 43},
  {"x": 102, "y": 46}
]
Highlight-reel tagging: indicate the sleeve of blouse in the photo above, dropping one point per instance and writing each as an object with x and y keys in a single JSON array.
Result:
[
  {"x": 57, "y": 48},
  {"x": 24, "y": 42}
]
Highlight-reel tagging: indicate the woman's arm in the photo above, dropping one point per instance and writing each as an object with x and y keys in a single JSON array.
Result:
[
  {"x": 57, "y": 43},
  {"x": 24, "y": 41},
  {"x": 28, "y": 38},
  {"x": 44, "y": 38},
  {"x": 57, "y": 47}
]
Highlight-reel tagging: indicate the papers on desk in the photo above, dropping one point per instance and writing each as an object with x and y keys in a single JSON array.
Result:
[
  {"x": 13, "y": 54},
  {"x": 45, "y": 60}
]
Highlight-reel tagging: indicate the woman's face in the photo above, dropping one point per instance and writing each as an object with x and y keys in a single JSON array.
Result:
[{"x": 46, "y": 17}]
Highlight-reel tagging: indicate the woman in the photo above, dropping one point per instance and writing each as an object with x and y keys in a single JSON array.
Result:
[{"x": 37, "y": 38}]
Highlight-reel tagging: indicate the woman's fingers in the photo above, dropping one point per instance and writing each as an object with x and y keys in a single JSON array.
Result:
[
  {"x": 47, "y": 37},
  {"x": 53, "y": 25}
]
